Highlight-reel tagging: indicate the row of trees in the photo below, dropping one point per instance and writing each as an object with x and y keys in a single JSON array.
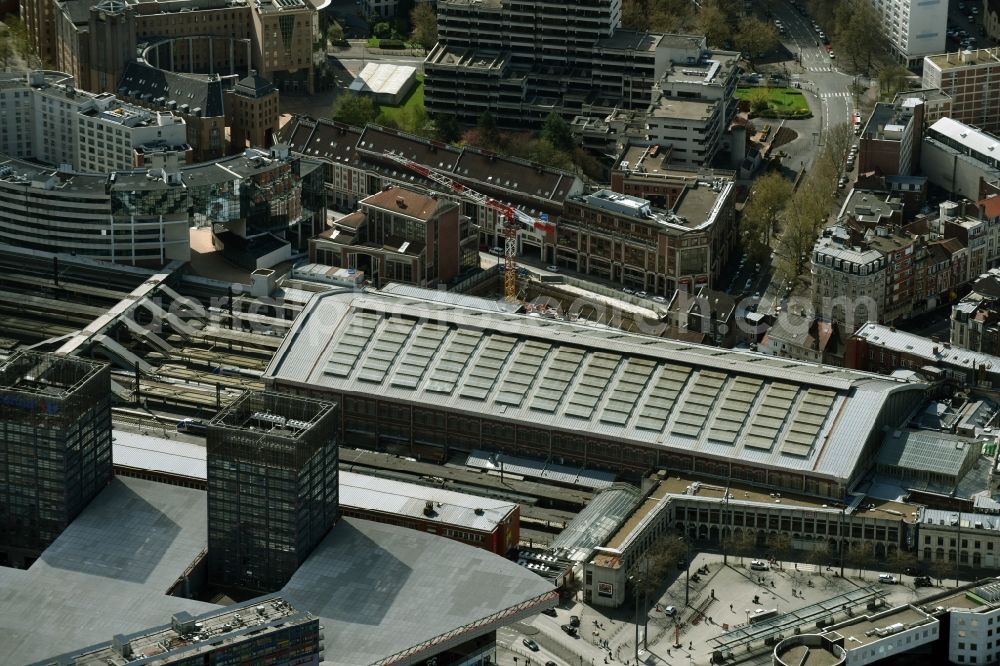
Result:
[
  {"x": 718, "y": 20},
  {"x": 787, "y": 222},
  {"x": 14, "y": 42}
]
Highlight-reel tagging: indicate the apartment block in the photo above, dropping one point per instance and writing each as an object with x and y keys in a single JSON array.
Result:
[
  {"x": 55, "y": 448},
  {"x": 914, "y": 28},
  {"x": 44, "y": 117},
  {"x": 970, "y": 79},
  {"x": 400, "y": 235},
  {"x": 975, "y": 320},
  {"x": 890, "y": 141}
]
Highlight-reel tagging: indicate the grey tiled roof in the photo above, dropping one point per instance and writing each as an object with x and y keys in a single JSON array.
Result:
[{"x": 197, "y": 91}]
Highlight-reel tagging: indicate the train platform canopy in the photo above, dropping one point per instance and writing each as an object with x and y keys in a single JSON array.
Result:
[
  {"x": 535, "y": 372},
  {"x": 539, "y": 469}
]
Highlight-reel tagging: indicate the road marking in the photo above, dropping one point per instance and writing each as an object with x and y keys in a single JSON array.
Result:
[
  {"x": 821, "y": 69},
  {"x": 835, "y": 94}
]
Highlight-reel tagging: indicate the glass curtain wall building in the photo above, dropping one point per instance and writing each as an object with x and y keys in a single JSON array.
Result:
[
  {"x": 55, "y": 447},
  {"x": 272, "y": 487}
]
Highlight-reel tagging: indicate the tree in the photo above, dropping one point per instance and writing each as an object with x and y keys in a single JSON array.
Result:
[
  {"x": 424, "y": 23},
  {"x": 755, "y": 38},
  {"x": 713, "y": 22},
  {"x": 759, "y": 100},
  {"x": 402, "y": 23},
  {"x": 447, "y": 128},
  {"x": 20, "y": 38},
  {"x": 863, "y": 558},
  {"x": 357, "y": 110},
  {"x": 488, "y": 132},
  {"x": 6, "y": 48},
  {"x": 768, "y": 198},
  {"x": 859, "y": 32},
  {"x": 335, "y": 34},
  {"x": 382, "y": 30},
  {"x": 939, "y": 569},
  {"x": 556, "y": 131},
  {"x": 892, "y": 79},
  {"x": 839, "y": 140}
]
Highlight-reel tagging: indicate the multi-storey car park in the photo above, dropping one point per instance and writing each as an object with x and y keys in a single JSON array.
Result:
[{"x": 430, "y": 377}]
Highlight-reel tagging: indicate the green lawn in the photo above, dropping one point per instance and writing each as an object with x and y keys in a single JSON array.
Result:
[
  {"x": 414, "y": 99},
  {"x": 784, "y": 101}
]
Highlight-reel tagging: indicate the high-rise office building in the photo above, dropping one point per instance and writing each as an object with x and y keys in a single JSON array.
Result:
[
  {"x": 272, "y": 487},
  {"x": 55, "y": 447}
]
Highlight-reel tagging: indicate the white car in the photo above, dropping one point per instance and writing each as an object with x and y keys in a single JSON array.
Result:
[
  {"x": 759, "y": 565},
  {"x": 888, "y": 579},
  {"x": 670, "y": 611}
]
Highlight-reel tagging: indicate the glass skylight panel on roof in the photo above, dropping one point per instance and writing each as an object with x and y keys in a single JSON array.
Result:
[
  {"x": 808, "y": 420},
  {"x": 592, "y": 385},
  {"x": 734, "y": 409},
  {"x": 625, "y": 395},
  {"x": 351, "y": 345},
  {"x": 698, "y": 403},
  {"x": 656, "y": 410},
  {"x": 453, "y": 361},
  {"x": 558, "y": 376},
  {"x": 483, "y": 375},
  {"x": 414, "y": 364},
  {"x": 388, "y": 343},
  {"x": 770, "y": 416}
]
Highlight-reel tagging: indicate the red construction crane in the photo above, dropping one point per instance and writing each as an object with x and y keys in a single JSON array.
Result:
[{"x": 513, "y": 218}]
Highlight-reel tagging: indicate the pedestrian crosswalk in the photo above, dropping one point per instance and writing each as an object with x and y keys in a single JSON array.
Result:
[
  {"x": 822, "y": 69},
  {"x": 835, "y": 94}
]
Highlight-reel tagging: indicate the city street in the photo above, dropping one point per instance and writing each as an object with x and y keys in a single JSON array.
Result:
[{"x": 826, "y": 86}]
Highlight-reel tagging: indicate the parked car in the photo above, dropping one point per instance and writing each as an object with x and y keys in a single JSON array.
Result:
[
  {"x": 551, "y": 612},
  {"x": 888, "y": 579},
  {"x": 641, "y": 294},
  {"x": 574, "y": 620},
  {"x": 553, "y": 269},
  {"x": 670, "y": 611},
  {"x": 497, "y": 250},
  {"x": 832, "y": 56},
  {"x": 569, "y": 630},
  {"x": 659, "y": 299},
  {"x": 759, "y": 565},
  {"x": 628, "y": 290},
  {"x": 530, "y": 644},
  {"x": 923, "y": 581}
]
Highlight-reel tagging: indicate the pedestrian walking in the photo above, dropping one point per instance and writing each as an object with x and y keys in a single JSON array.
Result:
[{"x": 731, "y": 608}]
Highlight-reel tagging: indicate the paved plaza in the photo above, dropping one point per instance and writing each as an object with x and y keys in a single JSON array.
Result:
[{"x": 721, "y": 601}]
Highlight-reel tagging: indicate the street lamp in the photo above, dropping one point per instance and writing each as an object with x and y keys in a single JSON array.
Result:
[
  {"x": 687, "y": 571},
  {"x": 635, "y": 591},
  {"x": 747, "y": 611}
]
